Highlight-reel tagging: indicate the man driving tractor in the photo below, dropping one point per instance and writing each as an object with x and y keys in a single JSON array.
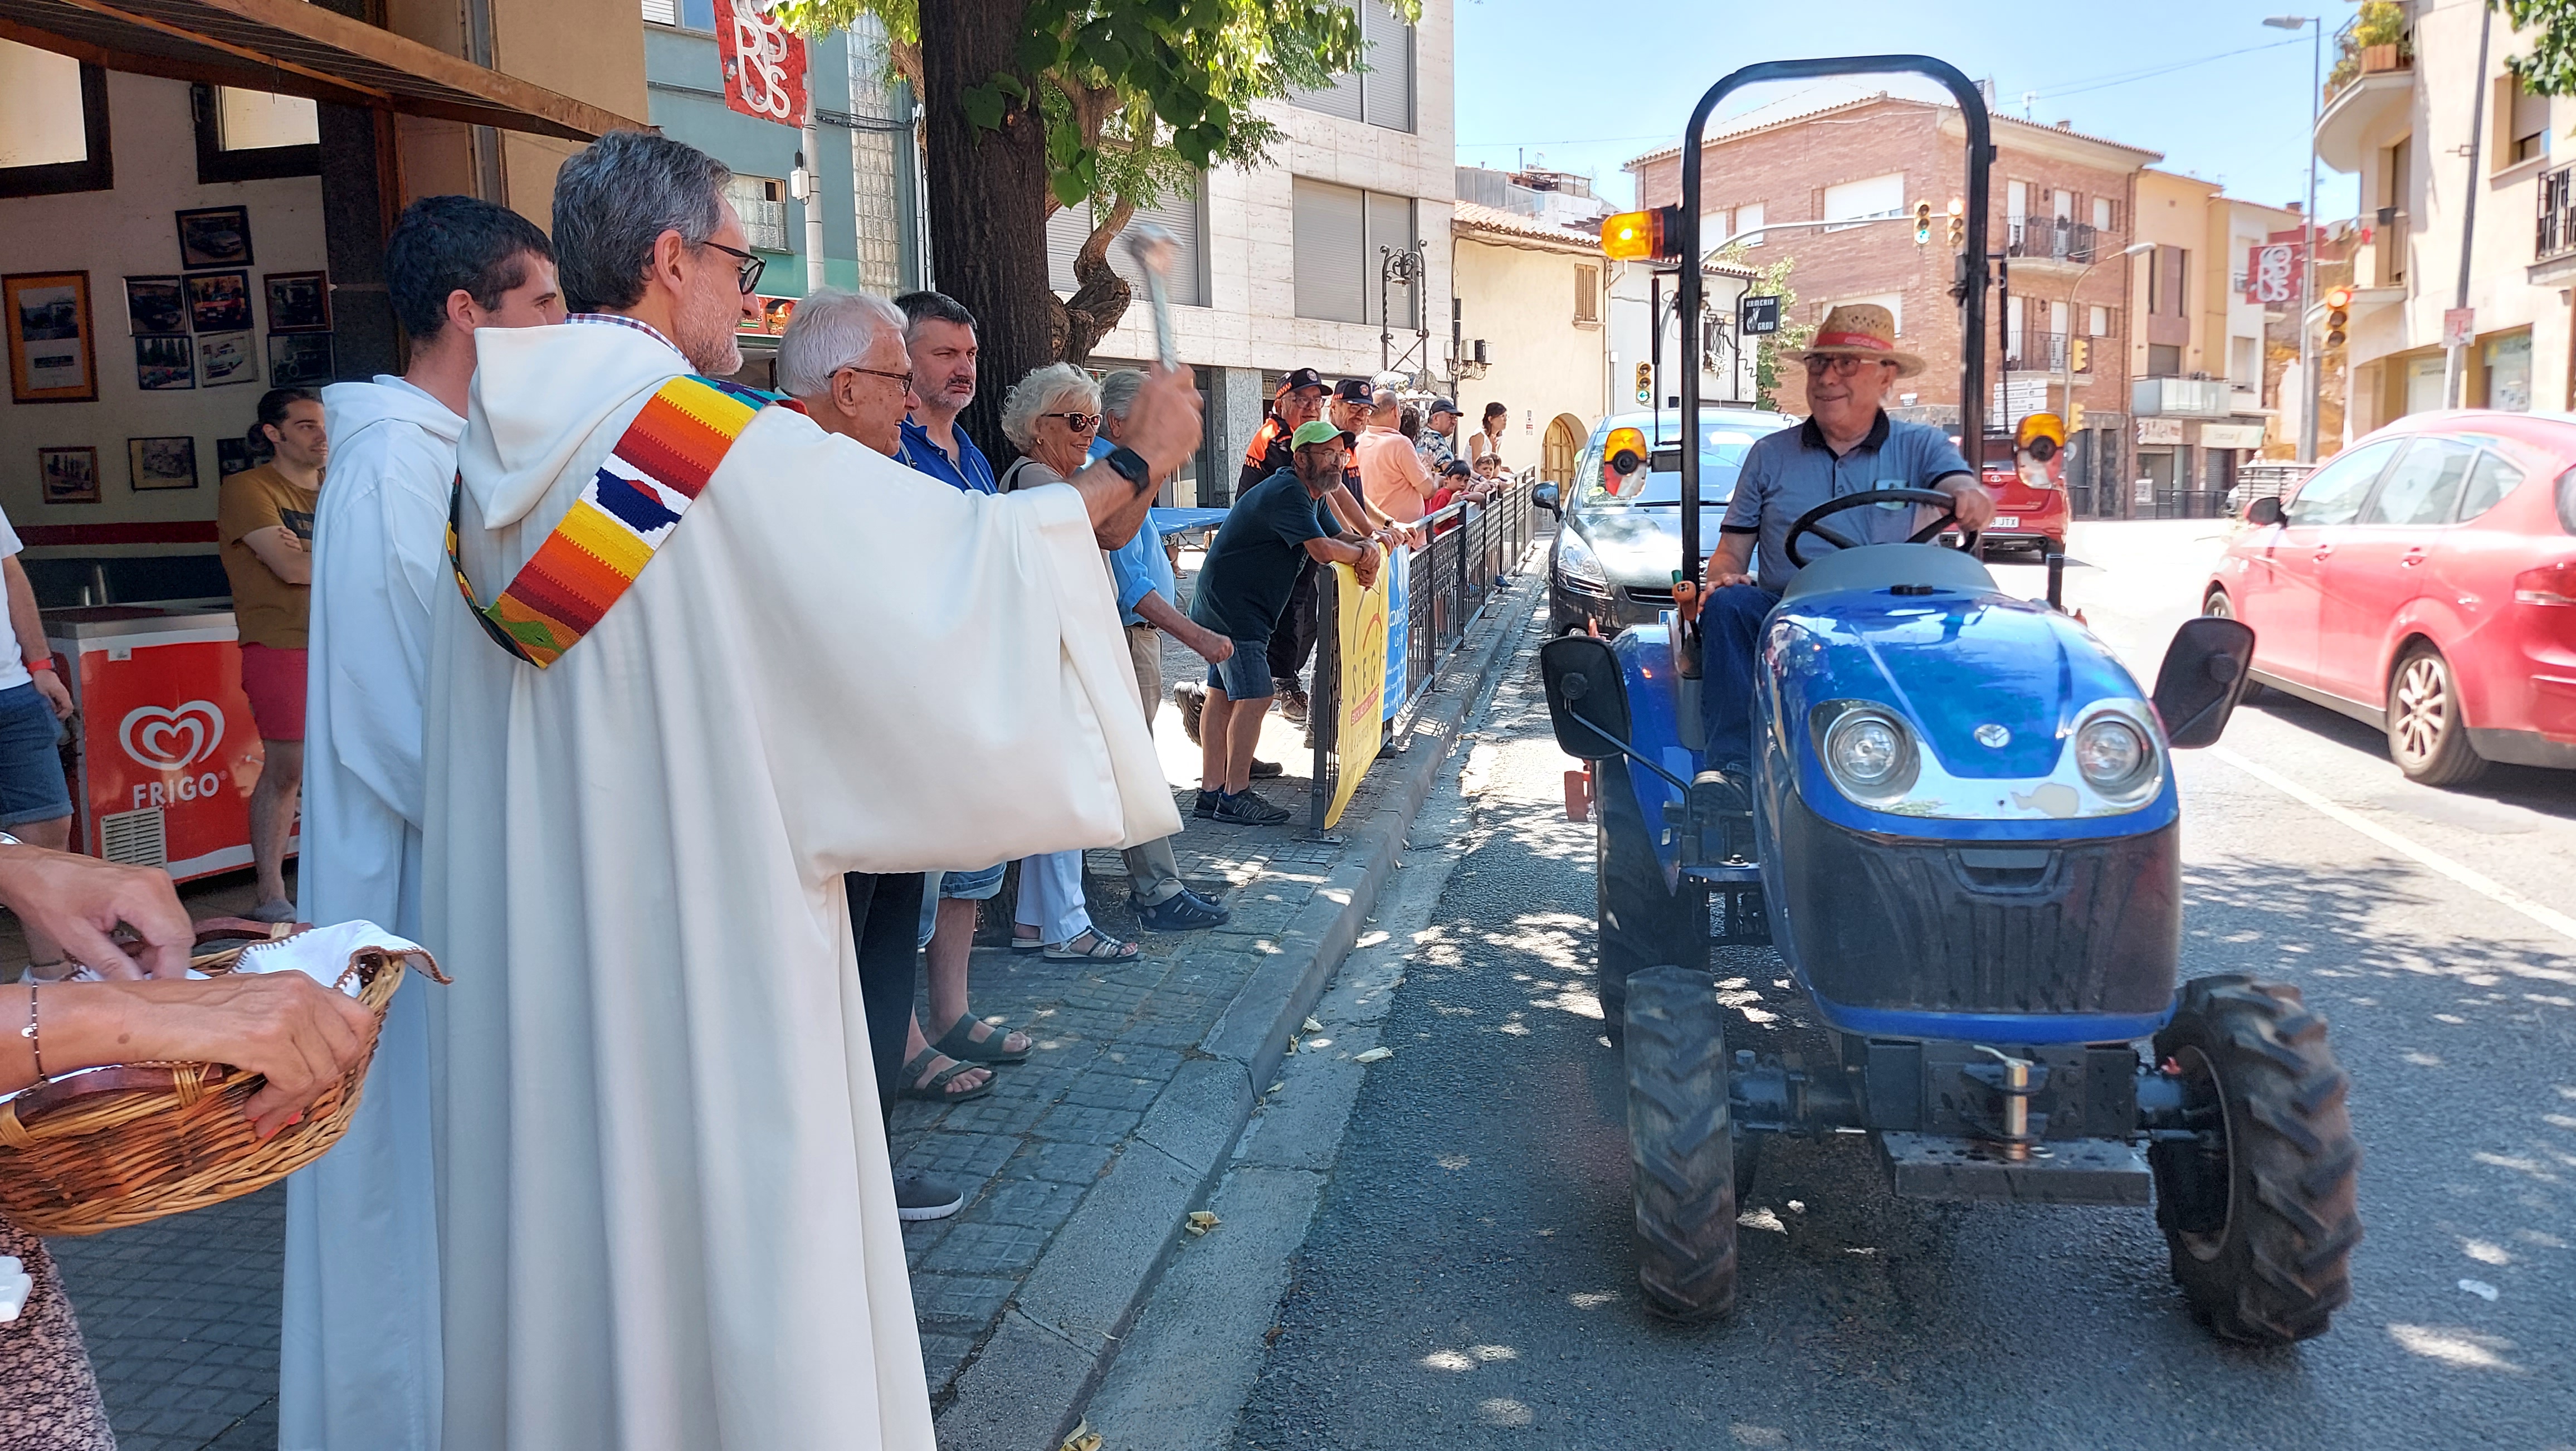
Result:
[{"x": 1848, "y": 445}]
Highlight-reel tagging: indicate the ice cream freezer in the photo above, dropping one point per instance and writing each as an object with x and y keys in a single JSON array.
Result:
[{"x": 164, "y": 754}]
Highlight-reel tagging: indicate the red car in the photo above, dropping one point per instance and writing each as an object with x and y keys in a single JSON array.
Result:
[{"x": 2424, "y": 580}]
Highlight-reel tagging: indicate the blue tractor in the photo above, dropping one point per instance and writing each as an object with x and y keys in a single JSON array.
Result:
[{"x": 1964, "y": 840}]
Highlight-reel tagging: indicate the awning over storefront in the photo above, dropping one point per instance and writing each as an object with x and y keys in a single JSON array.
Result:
[{"x": 300, "y": 49}]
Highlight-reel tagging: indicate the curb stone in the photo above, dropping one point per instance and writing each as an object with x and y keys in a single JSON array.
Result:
[{"x": 1023, "y": 1390}]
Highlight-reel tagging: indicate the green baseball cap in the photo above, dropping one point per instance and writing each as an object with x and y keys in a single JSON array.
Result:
[{"x": 1321, "y": 432}]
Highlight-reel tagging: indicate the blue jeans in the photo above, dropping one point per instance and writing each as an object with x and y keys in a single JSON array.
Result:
[{"x": 1730, "y": 642}]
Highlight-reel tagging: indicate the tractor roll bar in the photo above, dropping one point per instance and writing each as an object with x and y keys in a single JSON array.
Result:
[{"x": 1972, "y": 108}]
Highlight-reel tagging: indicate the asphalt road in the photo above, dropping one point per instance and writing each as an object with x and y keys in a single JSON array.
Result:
[{"x": 1465, "y": 1278}]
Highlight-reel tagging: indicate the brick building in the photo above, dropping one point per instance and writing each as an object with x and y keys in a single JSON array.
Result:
[{"x": 2061, "y": 209}]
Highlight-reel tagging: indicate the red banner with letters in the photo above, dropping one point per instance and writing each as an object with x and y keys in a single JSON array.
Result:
[
  {"x": 2272, "y": 273},
  {"x": 764, "y": 64}
]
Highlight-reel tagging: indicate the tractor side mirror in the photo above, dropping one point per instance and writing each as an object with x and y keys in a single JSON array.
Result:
[
  {"x": 1545, "y": 497},
  {"x": 1582, "y": 679},
  {"x": 2204, "y": 675},
  {"x": 2263, "y": 512}
]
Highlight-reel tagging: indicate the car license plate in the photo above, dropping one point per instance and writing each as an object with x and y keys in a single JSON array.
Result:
[{"x": 2006, "y": 521}]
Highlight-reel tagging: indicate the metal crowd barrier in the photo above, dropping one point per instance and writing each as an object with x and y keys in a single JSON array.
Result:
[{"x": 1474, "y": 551}]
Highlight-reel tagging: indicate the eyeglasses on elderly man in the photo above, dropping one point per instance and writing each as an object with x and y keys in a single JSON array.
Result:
[{"x": 1843, "y": 365}]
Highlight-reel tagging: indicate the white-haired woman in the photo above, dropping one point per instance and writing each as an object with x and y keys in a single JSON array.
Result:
[{"x": 1051, "y": 418}]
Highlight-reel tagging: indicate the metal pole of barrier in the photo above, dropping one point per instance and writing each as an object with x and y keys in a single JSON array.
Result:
[{"x": 1324, "y": 701}]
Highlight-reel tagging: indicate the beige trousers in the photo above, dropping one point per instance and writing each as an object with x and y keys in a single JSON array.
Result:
[{"x": 1152, "y": 873}]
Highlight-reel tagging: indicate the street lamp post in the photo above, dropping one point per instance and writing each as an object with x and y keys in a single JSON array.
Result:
[
  {"x": 2309, "y": 380},
  {"x": 2066, "y": 350}
]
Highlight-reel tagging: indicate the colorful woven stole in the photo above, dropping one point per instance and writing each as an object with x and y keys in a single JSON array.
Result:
[{"x": 626, "y": 511}]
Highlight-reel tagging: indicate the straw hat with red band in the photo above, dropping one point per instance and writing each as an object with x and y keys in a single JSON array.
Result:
[{"x": 1860, "y": 330}]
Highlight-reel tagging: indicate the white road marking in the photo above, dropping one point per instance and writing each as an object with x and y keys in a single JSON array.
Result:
[{"x": 2485, "y": 886}]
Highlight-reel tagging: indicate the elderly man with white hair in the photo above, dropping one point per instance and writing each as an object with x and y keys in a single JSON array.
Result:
[{"x": 843, "y": 360}]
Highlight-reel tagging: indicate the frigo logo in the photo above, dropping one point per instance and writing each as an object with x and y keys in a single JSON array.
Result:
[{"x": 168, "y": 739}]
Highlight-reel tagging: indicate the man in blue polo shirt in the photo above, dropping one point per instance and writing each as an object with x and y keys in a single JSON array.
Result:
[
  {"x": 1847, "y": 446},
  {"x": 939, "y": 333}
]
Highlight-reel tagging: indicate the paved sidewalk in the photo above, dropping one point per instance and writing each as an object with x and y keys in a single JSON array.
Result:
[{"x": 1082, "y": 1163}]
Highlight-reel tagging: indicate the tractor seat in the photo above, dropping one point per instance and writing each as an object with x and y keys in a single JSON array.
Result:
[{"x": 1880, "y": 566}]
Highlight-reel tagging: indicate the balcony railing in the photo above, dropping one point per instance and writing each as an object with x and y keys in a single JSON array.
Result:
[
  {"x": 2180, "y": 398},
  {"x": 2376, "y": 41},
  {"x": 2557, "y": 236},
  {"x": 2040, "y": 239},
  {"x": 2035, "y": 351}
]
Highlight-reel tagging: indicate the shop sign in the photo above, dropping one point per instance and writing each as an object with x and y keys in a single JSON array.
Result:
[
  {"x": 2272, "y": 274},
  {"x": 2459, "y": 326},
  {"x": 764, "y": 64},
  {"x": 2159, "y": 431},
  {"x": 2231, "y": 435}
]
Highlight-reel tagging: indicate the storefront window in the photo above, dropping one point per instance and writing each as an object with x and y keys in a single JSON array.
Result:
[
  {"x": 53, "y": 123},
  {"x": 253, "y": 120},
  {"x": 254, "y": 136},
  {"x": 2507, "y": 361}
]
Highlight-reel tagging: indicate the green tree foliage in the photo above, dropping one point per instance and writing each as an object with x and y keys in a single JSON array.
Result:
[
  {"x": 1138, "y": 97},
  {"x": 1771, "y": 280},
  {"x": 2550, "y": 69}
]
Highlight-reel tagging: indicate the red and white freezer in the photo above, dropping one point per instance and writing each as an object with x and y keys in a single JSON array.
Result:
[{"x": 164, "y": 751}]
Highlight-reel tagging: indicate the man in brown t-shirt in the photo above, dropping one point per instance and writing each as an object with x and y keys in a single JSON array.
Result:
[{"x": 264, "y": 520}]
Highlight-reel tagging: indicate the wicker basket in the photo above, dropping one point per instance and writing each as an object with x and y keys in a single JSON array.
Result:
[{"x": 103, "y": 1148}]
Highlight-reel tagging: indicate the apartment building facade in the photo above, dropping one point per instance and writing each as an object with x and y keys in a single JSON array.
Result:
[
  {"x": 2408, "y": 109},
  {"x": 2060, "y": 209},
  {"x": 2205, "y": 398}
]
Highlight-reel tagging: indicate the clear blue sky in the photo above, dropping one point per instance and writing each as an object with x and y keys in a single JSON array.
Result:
[{"x": 1591, "y": 85}]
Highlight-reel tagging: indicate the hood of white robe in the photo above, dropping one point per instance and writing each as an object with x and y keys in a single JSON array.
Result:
[
  {"x": 539, "y": 393},
  {"x": 349, "y": 409}
]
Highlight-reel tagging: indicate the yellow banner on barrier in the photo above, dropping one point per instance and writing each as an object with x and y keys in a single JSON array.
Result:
[{"x": 1361, "y": 632}]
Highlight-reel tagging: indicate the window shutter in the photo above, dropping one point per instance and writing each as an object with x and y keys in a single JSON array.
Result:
[
  {"x": 1387, "y": 86},
  {"x": 662, "y": 12},
  {"x": 1342, "y": 97},
  {"x": 1326, "y": 241},
  {"x": 1390, "y": 225},
  {"x": 1587, "y": 294},
  {"x": 1066, "y": 231}
]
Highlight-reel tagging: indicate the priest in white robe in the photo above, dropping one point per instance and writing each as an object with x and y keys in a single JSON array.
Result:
[
  {"x": 359, "y": 1344},
  {"x": 666, "y": 1213}
]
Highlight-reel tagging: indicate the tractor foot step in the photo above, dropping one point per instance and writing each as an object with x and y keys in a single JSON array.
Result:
[{"x": 2072, "y": 1171}]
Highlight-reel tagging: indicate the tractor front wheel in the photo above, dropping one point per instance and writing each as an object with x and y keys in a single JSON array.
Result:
[
  {"x": 1640, "y": 924},
  {"x": 1681, "y": 1143},
  {"x": 2260, "y": 1209}
]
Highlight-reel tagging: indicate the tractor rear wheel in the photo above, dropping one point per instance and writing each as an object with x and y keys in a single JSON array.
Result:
[
  {"x": 1681, "y": 1143},
  {"x": 1640, "y": 924},
  {"x": 2260, "y": 1212}
]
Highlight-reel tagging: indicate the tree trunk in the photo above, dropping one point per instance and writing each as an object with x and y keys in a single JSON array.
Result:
[
  {"x": 1100, "y": 295},
  {"x": 987, "y": 199}
]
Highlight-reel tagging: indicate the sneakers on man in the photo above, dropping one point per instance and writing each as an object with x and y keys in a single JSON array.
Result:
[
  {"x": 1206, "y": 807},
  {"x": 919, "y": 1196},
  {"x": 1267, "y": 770},
  {"x": 1245, "y": 808},
  {"x": 1292, "y": 703},
  {"x": 1183, "y": 911},
  {"x": 1189, "y": 695}
]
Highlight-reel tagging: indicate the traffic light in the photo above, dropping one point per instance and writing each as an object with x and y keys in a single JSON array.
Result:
[
  {"x": 2338, "y": 313},
  {"x": 2074, "y": 419},
  {"x": 1922, "y": 223},
  {"x": 2079, "y": 354},
  {"x": 1645, "y": 382},
  {"x": 1958, "y": 224}
]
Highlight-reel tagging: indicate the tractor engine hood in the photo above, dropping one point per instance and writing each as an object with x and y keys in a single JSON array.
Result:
[{"x": 1993, "y": 692}]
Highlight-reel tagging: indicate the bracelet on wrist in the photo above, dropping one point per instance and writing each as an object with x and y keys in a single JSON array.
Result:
[{"x": 47, "y": 663}]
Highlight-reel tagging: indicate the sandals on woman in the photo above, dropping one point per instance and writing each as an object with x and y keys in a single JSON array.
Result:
[
  {"x": 936, "y": 1090},
  {"x": 1103, "y": 948}
]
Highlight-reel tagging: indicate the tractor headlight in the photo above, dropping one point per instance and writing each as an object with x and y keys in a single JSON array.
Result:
[
  {"x": 2114, "y": 756},
  {"x": 1870, "y": 754}
]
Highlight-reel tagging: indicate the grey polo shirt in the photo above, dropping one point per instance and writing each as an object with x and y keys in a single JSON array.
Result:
[{"x": 1787, "y": 473}]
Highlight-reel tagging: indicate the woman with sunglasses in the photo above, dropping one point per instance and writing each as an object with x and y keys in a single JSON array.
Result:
[{"x": 1051, "y": 418}]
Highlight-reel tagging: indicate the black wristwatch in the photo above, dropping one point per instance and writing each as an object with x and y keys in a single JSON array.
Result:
[{"x": 1131, "y": 466}]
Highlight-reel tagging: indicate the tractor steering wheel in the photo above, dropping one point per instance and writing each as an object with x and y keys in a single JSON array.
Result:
[{"x": 1809, "y": 522}]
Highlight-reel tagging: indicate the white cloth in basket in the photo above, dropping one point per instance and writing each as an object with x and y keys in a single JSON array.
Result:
[{"x": 321, "y": 953}]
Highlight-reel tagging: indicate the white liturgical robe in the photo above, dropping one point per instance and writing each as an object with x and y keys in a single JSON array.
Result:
[
  {"x": 665, "y": 1208},
  {"x": 359, "y": 1344}
]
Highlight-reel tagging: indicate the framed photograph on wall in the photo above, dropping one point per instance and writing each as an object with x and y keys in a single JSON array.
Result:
[
  {"x": 214, "y": 237},
  {"x": 227, "y": 358},
  {"x": 299, "y": 360},
  {"x": 162, "y": 463},
  {"x": 156, "y": 306},
  {"x": 70, "y": 474},
  {"x": 52, "y": 356},
  {"x": 298, "y": 302},
  {"x": 164, "y": 365},
  {"x": 233, "y": 456},
  {"x": 219, "y": 302}
]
